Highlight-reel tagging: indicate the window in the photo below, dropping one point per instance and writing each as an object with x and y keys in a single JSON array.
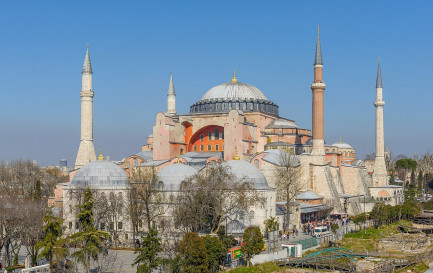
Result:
[
  {"x": 217, "y": 134},
  {"x": 70, "y": 225},
  {"x": 201, "y": 147},
  {"x": 111, "y": 226},
  {"x": 127, "y": 165},
  {"x": 251, "y": 214},
  {"x": 209, "y": 147},
  {"x": 195, "y": 147},
  {"x": 77, "y": 225},
  {"x": 160, "y": 185},
  {"x": 126, "y": 236},
  {"x": 209, "y": 135},
  {"x": 140, "y": 224},
  {"x": 256, "y": 163},
  {"x": 70, "y": 209},
  {"x": 217, "y": 147},
  {"x": 102, "y": 226},
  {"x": 135, "y": 162},
  {"x": 119, "y": 225},
  {"x": 202, "y": 137}
]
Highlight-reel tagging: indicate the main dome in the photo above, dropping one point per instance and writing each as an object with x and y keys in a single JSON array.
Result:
[
  {"x": 234, "y": 95},
  {"x": 234, "y": 90}
]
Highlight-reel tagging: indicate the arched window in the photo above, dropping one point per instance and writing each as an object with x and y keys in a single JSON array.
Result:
[
  {"x": 217, "y": 134},
  {"x": 202, "y": 137},
  {"x": 195, "y": 147},
  {"x": 135, "y": 162},
  {"x": 209, "y": 147},
  {"x": 201, "y": 147},
  {"x": 217, "y": 147},
  {"x": 256, "y": 163},
  {"x": 209, "y": 135},
  {"x": 251, "y": 214},
  {"x": 160, "y": 185}
]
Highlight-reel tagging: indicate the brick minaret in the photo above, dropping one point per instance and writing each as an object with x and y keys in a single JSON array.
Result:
[
  {"x": 379, "y": 171},
  {"x": 86, "y": 151},
  {"x": 318, "y": 88},
  {"x": 171, "y": 98}
]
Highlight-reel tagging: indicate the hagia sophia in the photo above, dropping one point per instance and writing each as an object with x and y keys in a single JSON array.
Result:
[{"x": 235, "y": 123}]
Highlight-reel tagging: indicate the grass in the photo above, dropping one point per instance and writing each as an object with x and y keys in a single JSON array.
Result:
[
  {"x": 261, "y": 268},
  {"x": 417, "y": 268},
  {"x": 360, "y": 241}
]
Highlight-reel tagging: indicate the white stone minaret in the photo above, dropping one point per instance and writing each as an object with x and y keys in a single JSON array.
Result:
[
  {"x": 171, "y": 98},
  {"x": 86, "y": 151},
  {"x": 379, "y": 171}
]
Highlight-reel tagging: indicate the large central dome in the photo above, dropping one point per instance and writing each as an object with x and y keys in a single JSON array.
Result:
[
  {"x": 234, "y": 95},
  {"x": 234, "y": 90}
]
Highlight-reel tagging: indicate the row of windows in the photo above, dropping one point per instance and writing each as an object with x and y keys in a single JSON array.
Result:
[
  {"x": 209, "y": 147},
  {"x": 215, "y": 136},
  {"x": 102, "y": 225}
]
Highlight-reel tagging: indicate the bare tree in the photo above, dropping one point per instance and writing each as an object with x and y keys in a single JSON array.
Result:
[
  {"x": 207, "y": 197},
  {"x": 287, "y": 174}
]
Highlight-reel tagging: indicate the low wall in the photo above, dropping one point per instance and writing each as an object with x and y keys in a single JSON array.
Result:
[{"x": 269, "y": 257}]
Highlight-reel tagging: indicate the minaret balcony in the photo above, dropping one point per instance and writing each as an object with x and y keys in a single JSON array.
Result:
[
  {"x": 86, "y": 93},
  {"x": 380, "y": 103}
]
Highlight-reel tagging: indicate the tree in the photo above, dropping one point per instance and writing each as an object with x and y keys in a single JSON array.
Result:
[
  {"x": 192, "y": 254},
  {"x": 271, "y": 224},
  {"x": 90, "y": 239},
  {"x": 51, "y": 244},
  {"x": 287, "y": 175},
  {"x": 253, "y": 242},
  {"x": 147, "y": 258},
  {"x": 207, "y": 198},
  {"x": 216, "y": 251},
  {"x": 38, "y": 190}
]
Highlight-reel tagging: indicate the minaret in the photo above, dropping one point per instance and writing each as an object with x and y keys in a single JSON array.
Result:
[
  {"x": 171, "y": 98},
  {"x": 318, "y": 89},
  {"x": 86, "y": 151},
  {"x": 379, "y": 171}
]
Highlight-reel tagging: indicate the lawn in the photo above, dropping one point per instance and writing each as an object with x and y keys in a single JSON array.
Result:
[{"x": 261, "y": 268}]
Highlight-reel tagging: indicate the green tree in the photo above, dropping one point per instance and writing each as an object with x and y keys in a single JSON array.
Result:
[
  {"x": 421, "y": 181},
  {"x": 89, "y": 239},
  {"x": 192, "y": 254},
  {"x": 379, "y": 214},
  {"x": 216, "y": 251},
  {"x": 38, "y": 190},
  {"x": 51, "y": 244},
  {"x": 147, "y": 258},
  {"x": 271, "y": 225},
  {"x": 253, "y": 242},
  {"x": 227, "y": 240}
]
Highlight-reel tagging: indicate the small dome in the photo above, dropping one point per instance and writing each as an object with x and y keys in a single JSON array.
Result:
[
  {"x": 342, "y": 145},
  {"x": 100, "y": 174},
  {"x": 173, "y": 175},
  {"x": 234, "y": 90},
  {"x": 308, "y": 195},
  {"x": 244, "y": 170}
]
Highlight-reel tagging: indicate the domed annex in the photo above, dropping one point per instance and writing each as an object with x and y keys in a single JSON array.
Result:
[
  {"x": 234, "y": 95},
  {"x": 173, "y": 175},
  {"x": 246, "y": 171},
  {"x": 342, "y": 145},
  {"x": 100, "y": 174}
]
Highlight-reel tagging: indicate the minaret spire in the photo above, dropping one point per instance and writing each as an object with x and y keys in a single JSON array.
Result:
[
  {"x": 171, "y": 98},
  {"x": 86, "y": 151},
  {"x": 318, "y": 57},
  {"x": 379, "y": 170}
]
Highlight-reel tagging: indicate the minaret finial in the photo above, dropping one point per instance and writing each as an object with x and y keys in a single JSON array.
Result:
[
  {"x": 340, "y": 139},
  {"x": 318, "y": 59},
  {"x": 234, "y": 80},
  {"x": 379, "y": 76},
  {"x": 101, "y": 157},
  {"x": 236, "y": 157}
]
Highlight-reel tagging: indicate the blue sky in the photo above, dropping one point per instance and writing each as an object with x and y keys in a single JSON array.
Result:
[{"x": 135, "y": 44}]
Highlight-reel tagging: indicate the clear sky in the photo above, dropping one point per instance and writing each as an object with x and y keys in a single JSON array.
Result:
[{"x": 135, "y": 45}]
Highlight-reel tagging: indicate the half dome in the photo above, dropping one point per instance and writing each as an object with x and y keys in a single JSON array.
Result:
[{"x": 100, "y": 174}]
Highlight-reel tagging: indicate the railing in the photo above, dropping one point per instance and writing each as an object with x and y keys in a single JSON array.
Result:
[{"x": 38, "y": 269}]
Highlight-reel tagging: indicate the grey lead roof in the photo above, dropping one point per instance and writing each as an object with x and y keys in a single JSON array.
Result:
[
  {"x": 87, "y": 67},
  {"x": 318, "y": 59},
  {"x": 100, "y": 174},
  {"x": 379, "y": 76},
  {"x": 171, "y": 86}
]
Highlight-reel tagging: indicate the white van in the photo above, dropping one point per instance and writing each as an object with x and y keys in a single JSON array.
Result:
[{"x": 319, "y": 231}]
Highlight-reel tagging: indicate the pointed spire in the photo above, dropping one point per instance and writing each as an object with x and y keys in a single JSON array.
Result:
[
  {"x": 379, "y": 76},
  {"x": 236, "y": 157},
  {"x": 318, "y": 59},
  {"x": 234, "y": 80},
  {"x": 171, "y": 86},
  {"x": 87, "y": 67}
]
